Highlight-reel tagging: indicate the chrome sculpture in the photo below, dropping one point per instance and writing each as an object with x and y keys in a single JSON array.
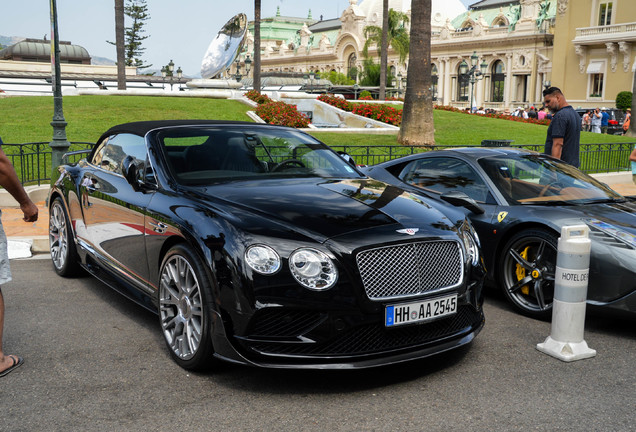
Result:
[{"x": 224, "y": 47}]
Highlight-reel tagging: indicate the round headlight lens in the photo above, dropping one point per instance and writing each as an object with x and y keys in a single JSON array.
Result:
[
  {"x": 262, "y": 259},
  {"x": 313, "y": 269},
  {"x": 471, "y": 242}
]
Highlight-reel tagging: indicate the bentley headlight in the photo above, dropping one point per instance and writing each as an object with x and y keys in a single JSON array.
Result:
[
  {"x": 313, "y": 269},
  {"x": 471, "y": 241},
  {"x": 262, "y": 259}
]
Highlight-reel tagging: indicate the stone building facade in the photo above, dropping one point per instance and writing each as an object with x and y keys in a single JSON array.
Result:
[{"x": 524, "y": 45}]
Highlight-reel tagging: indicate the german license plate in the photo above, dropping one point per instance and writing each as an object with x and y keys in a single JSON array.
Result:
[{"x": 417, "y": 312}]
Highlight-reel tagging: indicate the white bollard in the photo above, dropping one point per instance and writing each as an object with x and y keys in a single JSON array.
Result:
[{"x": 570, "y": 293}]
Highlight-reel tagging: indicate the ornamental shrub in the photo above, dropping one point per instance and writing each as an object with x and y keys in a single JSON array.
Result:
[
  {"x": 257, "y": 97},
  {"x": 280, "y": 113},
  {"x": 365, "y": 95},
  {"x": 624, "y": 100},
  {"x": 336, "y": 101},
  {"x": 383, "y": 113}
]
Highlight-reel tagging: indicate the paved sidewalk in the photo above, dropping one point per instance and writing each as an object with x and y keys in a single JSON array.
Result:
[{"x": 32, "y": 238}]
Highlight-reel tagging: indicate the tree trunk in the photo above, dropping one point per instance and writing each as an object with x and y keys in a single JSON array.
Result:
[
  {"x": 417, "y": 116},
  {"x": 120, "y": 44},
  {"x": 257, "y": 45},
  {"x": 632, "y": 124},
  {"x": 384, "y": 49}
]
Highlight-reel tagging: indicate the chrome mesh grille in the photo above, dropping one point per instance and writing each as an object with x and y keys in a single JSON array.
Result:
[{"x": 410, "y": 269}]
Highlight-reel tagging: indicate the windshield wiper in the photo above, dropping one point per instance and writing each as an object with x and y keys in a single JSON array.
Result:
[
  {"x": 604, "y": 201},
  {"x": 549, "y": 203}
]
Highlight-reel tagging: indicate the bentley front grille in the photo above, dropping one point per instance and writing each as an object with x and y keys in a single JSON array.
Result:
[{"x": 410, "y": 269}]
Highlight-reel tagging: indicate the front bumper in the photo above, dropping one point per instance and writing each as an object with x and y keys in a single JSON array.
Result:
[{"x": 308, "y": 339}]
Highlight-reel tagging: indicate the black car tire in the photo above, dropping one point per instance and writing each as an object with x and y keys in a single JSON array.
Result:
[
  {"x": 185, "y": 299},
  {"x": 526, "y": 271},
  {"x": 63, "y": 252}
]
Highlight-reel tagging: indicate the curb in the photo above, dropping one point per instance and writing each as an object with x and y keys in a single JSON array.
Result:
[{"x": 36, "y": 193}]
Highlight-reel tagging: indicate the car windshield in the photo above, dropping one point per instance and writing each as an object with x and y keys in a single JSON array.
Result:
[
  {"x": 538, "y": 179},
  {"x": 205, "y": 155}
]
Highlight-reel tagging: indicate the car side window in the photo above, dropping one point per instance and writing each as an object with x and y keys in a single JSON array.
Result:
[
  {"x": 444, "y": 174},
  {"x": 111, "y": 152}
]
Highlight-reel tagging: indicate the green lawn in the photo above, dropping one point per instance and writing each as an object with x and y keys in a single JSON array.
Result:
[
  {"x": 458, "y": 129},
  {"x": 27, "y": 119}
]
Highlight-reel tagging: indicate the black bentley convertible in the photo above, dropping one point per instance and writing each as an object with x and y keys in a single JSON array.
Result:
[{"x": 260, "y": 245}]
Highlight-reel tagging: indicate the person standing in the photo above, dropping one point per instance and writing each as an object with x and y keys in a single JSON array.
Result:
[
  {"x": 541, "y": 114},
  {"x": 604, "y": 120},
  {"x": 632, "y": 159},
  {"x": 586, "y": 121},
  {"x": 9, "y": 180},
  {"x": 564, "y": 132},
  {"x": 628, "y": 120},
  {"x": 596, "y": 121}
]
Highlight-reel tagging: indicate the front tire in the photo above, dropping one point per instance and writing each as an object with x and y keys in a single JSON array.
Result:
[
  {"x": 63, "y": 253},
  {"x": 526, "y": 272},
  {"x": 185, "y": 308}
]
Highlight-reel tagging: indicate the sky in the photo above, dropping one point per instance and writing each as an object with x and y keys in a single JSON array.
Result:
[{"x": 179, "y": 30}]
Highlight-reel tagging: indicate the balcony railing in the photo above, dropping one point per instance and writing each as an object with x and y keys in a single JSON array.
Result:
[{"x": 598, "y": 32}]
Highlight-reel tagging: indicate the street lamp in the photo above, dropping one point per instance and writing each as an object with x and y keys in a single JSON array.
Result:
[
  {"x": 59, "y": 144},
  {"x": 248, "y": 66},
  {"x": 355, "y": 91},
  {"x": 474, "y": 74},
  {"x": 312, "y": 77},
  {"x": 168, "y": 72}
]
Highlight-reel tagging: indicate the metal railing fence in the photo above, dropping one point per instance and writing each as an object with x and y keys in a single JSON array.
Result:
[
  {"x": 32, "y": 160},
  {"x": 595, "y": 158}
]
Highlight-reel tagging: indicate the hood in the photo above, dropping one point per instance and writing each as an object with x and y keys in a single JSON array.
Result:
[
  {"x": 621, "y": 215},
  {"x": 328, "y": 208}
]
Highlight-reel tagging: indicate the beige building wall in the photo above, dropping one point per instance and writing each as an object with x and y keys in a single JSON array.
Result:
[{"x": 594, "y": 52}]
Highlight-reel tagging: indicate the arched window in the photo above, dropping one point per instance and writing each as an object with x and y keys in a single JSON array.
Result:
[
  {"x": 498, "y": 80},
  {"x": 352, "y": 70},
  {"x": 467, "y": 25},
  {"x": 434, "y": 78},
  {"x": 462, "y": 85},
  {"x": 500, "y": 21}
]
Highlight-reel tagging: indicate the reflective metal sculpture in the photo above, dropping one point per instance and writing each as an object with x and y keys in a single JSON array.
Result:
[{"x": 224, "y": 48}]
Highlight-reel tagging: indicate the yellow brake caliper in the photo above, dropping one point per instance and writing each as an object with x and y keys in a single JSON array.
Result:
[{"x": 521, "y": 272}]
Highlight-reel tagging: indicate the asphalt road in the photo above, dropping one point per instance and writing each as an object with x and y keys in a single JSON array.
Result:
[{"x": 96, "y": 362}]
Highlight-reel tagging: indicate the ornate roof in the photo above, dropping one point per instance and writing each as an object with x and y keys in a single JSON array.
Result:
[{"x": 40, "y": 49}]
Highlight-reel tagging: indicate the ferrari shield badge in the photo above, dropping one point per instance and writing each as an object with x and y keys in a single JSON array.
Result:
[
  {"x": 501, "y": 216},
  {"x": 409, "y": 231}
]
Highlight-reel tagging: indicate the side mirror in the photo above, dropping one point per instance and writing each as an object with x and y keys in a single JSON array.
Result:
[
  {"x": 460, "y": 199},
  {"x": 131, "y": 172},
  {"x": 347, "y": 157}
]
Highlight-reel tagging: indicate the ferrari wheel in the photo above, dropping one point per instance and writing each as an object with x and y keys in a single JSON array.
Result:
[
  {"x": 63, "y": 252},
  {"x": 184, "y": 309},
  {"x": 526, "y": 272}
]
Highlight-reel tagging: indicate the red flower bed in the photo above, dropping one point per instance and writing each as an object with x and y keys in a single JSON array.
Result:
[
  {"x": 257, "y": 97},
  {"x": 280, "y": 113},
  {"x": 500, "y": 116},
  {"x": 336, "y": 101},
  {"x": 383, "y": 113},
  {"x": 378, "y": 112}
]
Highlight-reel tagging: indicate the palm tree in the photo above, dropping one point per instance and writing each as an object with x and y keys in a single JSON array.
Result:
[
  {"x": 384, "y": 48},
  {"x": 257, "y": 45},
  {"x": 632, "y": 124},
  {"x": 396, "y": 36},
  {"x": 120, "y": 44},
  {"x": 417, "y": 115}
]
